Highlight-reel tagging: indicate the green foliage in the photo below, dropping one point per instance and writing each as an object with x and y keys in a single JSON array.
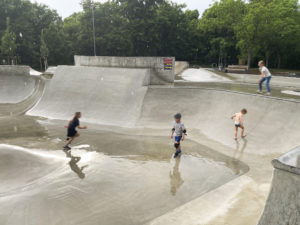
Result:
[
  {"x": 218, "y": 25},
  {"x": 43, "y": 49},
  {"x": 228, "y": 31},
  {"x": 8, "y": 43},
  {"x": 27, "y": 20},
  {"x": 267, "y": 28}
]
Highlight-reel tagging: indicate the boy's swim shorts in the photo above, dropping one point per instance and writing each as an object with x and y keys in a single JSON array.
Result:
[{"x": 178, "y": 139}]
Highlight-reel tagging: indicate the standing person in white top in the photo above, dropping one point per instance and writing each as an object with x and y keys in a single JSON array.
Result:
[
  {"x": 179, "y": 131},
  {"x": 265, "y": 76}
]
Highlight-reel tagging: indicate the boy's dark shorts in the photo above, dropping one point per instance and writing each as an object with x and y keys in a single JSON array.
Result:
[
  {"x": 71, "y": 133},
  {"x": 178, "y": 139}
]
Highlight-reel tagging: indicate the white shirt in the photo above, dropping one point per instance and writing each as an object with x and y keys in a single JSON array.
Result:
[
  {"x": 179, "y": 127},
  {"x": 266, "y": 71}
]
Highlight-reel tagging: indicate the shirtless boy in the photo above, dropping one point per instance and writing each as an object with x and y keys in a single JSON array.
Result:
[{"x": 238, "y": 123}]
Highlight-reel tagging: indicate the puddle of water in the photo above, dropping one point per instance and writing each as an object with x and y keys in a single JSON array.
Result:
[{"x": 107, "y": 178}]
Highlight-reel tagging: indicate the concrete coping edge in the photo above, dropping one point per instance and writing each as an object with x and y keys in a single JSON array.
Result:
[{"x": 289, "y": 162}]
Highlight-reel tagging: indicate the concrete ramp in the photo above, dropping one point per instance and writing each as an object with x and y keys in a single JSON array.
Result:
[
  {"x": 15, "y": 84},
  {"x": 283, "y": 204},
  {"x": 209, "y": 112},
  {"x": 111, "y": 96},
  {"x": 18, "y": 90}
]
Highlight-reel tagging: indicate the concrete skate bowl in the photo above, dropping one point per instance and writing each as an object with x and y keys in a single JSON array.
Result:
[
  {"x": 121, "y": 170},
  {"x": 18, "y": 92}
]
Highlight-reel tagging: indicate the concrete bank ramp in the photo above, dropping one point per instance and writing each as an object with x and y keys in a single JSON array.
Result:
[
  {"x": 283, "y": 204},
  {"x": 15, "y": 84},
  {"x": 181, "y": 66},
  {"x": 272, "y": 125},
  {"x": 111, "y": 96},
  {"x": 18, "y": 90}
]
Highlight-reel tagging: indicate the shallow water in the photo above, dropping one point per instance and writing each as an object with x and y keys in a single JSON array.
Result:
[{"x": 108, "y": 178}]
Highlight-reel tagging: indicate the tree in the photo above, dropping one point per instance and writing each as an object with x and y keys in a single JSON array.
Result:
[
  {"x": 44, "y": 52},
  {"x": 8, "y": 44},
  {"x": 227, "y": 31},
  {"x": 267, "y": 28},
  {"x": 279, "y": 29},
  {"x": 218, "y": 26},
  {"x": 248, "y": 29}
]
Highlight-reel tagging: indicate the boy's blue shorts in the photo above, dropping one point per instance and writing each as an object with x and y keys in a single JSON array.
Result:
[{"x": 178, "y": 139}]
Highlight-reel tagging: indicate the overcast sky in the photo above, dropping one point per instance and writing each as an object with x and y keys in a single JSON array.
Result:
[{"x": 66, "y": 7}]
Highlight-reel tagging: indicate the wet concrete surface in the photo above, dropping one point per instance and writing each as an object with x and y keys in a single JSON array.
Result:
[
  {"x": 247, "y": 88},
  {"x": 108, "y": 178}
]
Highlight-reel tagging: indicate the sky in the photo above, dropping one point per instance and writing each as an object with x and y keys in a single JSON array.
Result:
[{"x": 66, "y": 7}]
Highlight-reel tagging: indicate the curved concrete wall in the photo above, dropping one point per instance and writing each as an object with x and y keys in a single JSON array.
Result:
[
  {"x": 181, "y": 66},
  {"x": 14, "y": 70},
  {"x": 15, "y": 84},
  {"x": 283, "y": 204},
  {"x": 111, "y": 96},
  {"x": 159, "y": 74}
]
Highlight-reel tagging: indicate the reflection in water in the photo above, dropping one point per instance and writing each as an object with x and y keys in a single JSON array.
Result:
[
  {"x": 234, "y": 163},
  {"x": 238, "y": 154},
  {"x": 175, "y": 177},
  {"x": 73, "y": 164}
]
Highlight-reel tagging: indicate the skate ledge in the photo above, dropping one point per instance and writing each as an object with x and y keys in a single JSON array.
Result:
[{"x": 289, "y": 162}]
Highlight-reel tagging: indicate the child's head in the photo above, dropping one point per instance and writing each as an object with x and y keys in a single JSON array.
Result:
[
  {"x": 244, "y": 111},
  {"x": 177, "y": 117},
  {"x": 261, "y": 63},
  {"x": 77, "y": 115}
]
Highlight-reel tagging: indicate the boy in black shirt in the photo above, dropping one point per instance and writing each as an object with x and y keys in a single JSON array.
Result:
[{"x": 72, "y": 132}]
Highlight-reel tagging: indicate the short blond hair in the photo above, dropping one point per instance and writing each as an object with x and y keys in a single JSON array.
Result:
[{"x": 261, "y": 62}]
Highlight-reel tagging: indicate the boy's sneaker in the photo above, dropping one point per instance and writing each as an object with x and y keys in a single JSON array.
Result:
[
  {"x": 66, "y": 147},
  {"x": 177, "y": 153},
  {"x": 268, "y": 94},
  {"x": 259, "y": 92}
]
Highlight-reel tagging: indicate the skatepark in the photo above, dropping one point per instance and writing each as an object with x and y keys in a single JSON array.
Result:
[{"x": 121, "y": 169}]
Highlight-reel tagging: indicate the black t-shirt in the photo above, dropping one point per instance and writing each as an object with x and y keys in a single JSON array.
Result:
[{"x": 74, "y": 124}]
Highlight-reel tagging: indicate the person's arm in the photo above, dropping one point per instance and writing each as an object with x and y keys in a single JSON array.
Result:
[
  {"x": 262, "y": 75},
  {"x": 67, "y": 126},
  {"x": 80, "y": 127},
  {"x": 172, "y": 133},
  {"x": 233, "y": 116},
  {"x": 183, "y": 132}
]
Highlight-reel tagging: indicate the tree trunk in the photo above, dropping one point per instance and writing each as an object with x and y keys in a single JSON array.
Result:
[
  {"x": 267, "y": 59},
  {"x": 249, "y": 57},
  {"x": 41, "y": 66},
  {"x": 279, "y": 61},
  {"x": 45, "y": 63}
]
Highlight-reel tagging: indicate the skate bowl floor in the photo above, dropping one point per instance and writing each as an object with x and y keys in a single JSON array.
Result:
[
  {"x": 109, "y": 178},
  {"x": 121, "y": 170}
]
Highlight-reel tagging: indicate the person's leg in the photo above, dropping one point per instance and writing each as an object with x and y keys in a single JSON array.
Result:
[
  {"x": 178, "y": 147},
  {"x": 235, "y": 132},
  {"x": 69, "y": 141},
  {"x": 243, "y": 131},
  {"x": 268, "y": 79},
  {"x": 260, "y": 84},
  {"x": 72, "y": 138},
  {"x": 178, "y": 151}
]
